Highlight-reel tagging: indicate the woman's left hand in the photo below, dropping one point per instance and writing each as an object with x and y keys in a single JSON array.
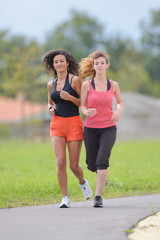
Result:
[
  {"x": 115, "y": 116},
  {"x": 65, "y": 95}
]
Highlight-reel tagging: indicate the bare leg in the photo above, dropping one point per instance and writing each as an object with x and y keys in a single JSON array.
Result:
[
  {"x": 101, "y": 181},
  {"x": 59, "y": 146},
  {"x": 74, "y": 148}
]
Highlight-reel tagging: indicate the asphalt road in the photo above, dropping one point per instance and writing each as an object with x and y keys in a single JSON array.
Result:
[{"x": 79, "y": 222}]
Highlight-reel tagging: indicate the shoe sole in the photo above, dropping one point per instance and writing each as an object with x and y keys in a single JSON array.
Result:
[
  {"x": 63, "y": 206},
  {"x": 88, "y": 197},
  {"x": 98, "y": 206}
]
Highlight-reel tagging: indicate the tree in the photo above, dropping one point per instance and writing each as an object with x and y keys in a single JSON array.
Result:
[
  {"x": 131, "y": 75},
  {"x": 150, "y": 38},
  {"x": 81, "y": 35},
  {"x": 116, "y": 46},
  {"x": 4, "y": 48},
  {"x": 21, "y": 71},
  {"x": 150, "y": 45}
]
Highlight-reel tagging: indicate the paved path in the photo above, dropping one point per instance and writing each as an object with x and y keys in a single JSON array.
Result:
[{"x": 80, "y": 222}]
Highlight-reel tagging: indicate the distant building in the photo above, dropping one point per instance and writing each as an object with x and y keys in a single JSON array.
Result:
[{"x": 18, "y": 110}]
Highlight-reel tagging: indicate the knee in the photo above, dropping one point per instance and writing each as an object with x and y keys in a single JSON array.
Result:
[
  {"x": 61, "y": 163},
  {"x": 74, "y": 168}
]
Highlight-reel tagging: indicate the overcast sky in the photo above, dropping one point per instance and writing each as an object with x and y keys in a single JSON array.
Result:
[{"x": 36, "y": 18}]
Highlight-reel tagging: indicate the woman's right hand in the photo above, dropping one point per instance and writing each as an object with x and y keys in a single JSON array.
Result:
[
  {"x": 51, "y": 111},
  {"x": 91, "y": 112}
]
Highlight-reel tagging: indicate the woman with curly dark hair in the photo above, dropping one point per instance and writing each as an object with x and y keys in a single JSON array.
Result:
[{"x": 66, "y": 126}]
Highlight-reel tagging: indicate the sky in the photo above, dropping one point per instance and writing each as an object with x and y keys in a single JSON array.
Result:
[{"x": 36, "y": 18}]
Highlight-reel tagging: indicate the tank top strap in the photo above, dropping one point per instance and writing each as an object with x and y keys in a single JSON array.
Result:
[
  {"x": 111, "y": 81},
  {"x": 67, "y": 80},
  {"x": 71, "y": 80},
  {"x": 90, "y": 84},
  {"x": 54, "y": 83},
  {"x": 108, "y": 84}
]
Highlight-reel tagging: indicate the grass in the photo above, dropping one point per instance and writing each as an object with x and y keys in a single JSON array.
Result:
[{"x": 28, "y": 172}]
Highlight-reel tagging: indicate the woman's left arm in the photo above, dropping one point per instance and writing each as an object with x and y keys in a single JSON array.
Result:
[
  {"x": 76, "y": 85},
  {"x": 117, "y": 93}
]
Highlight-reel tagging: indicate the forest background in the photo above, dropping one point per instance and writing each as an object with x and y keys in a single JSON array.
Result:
[{"x": 134, "y": 65}]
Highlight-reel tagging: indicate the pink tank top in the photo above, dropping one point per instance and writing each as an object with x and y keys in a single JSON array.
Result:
[{"x": 103, "y": 102}]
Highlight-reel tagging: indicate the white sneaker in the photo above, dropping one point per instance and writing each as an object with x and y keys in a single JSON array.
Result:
[
  {"x": 65, "y": 202},
  {"x": 87, "y": 191}
]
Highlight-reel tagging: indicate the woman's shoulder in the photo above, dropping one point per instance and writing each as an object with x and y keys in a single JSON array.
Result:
[
  {"x": 115, "y": 85},
  {"x": 86, "y": 84},
  {"x": 75, "y": 81},
  {"x": 50, "y": 83},
  {"x": 74, "y": 78}
]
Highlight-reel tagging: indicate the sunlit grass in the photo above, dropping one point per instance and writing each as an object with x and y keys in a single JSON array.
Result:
[{"x": 28, "y": 172}]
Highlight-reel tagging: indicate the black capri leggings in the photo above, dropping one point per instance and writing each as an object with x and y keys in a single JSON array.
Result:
[{"x": 98, "y": 143}]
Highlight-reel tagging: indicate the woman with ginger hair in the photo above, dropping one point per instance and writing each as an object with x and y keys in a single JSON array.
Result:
[
  {"x": 66, "y": 126},
  {"x": 100, "y": 124}
]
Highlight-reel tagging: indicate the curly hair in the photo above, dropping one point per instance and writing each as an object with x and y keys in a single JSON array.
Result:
[
  {"x": 47, "y": 62},
  {"x": 86, "y": 65}
]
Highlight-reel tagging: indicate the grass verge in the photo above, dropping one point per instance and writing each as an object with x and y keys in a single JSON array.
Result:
[{"x": 28, "y": 172}]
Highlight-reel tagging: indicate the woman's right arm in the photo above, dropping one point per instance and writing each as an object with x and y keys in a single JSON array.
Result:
[
  {"x": 84, "y": 93},
  {"x": 51, "y": 104}
]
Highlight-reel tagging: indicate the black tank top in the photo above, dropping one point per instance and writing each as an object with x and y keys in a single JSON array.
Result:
[{"x": 64, "y": 108}]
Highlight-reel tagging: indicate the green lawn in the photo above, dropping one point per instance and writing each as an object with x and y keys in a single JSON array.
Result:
[{"x": 28, "y": 172}]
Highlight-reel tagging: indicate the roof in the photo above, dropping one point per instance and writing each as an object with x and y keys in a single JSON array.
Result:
[{"x": 14, "y": 110}]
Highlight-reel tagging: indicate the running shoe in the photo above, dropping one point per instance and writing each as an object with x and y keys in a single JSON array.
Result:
[
  {"x": 98, "y": 202},
  {"x": 87, "y": 191},
  {"x": 65, "y": 202}
]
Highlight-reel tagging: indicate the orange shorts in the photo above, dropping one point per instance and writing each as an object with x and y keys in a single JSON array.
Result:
[{"x": 70, "y": 128}]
